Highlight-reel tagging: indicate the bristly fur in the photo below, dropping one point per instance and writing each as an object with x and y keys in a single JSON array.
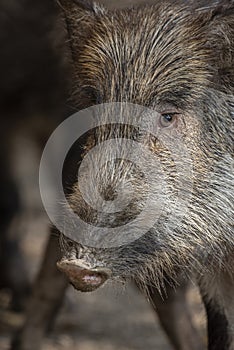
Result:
[{"x": 182, "y": 55}]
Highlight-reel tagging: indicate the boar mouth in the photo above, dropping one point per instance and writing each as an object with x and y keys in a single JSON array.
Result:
[{"x": 83, "y": 278}]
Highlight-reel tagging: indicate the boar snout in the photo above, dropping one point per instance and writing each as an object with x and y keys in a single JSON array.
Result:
[{"x": 82, "y": 278}]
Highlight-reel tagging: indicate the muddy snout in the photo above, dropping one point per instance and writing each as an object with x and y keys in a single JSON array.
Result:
[{"x": 82, "y": 278}]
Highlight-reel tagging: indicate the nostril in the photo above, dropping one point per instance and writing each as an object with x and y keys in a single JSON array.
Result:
[
  {"x": 92, "y": 279},
  {"x": 84, "y": 279}
]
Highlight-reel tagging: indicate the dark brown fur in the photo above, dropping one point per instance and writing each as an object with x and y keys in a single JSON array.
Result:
[
  {"x": 182, "y": 55},
  {"x": 177, "y": 54}
]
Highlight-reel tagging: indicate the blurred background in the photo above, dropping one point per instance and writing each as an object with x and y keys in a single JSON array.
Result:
[{"x": 33, "y": 89}]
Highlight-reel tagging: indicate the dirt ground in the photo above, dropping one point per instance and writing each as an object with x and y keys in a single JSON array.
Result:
[{"x": 113, "y": 318}]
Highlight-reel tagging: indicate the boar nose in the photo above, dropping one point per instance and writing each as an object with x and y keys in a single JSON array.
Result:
[{"x": 82, "y": 278}]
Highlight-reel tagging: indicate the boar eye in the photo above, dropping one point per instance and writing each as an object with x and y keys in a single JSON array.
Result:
[{"x": 167, "y": 119}]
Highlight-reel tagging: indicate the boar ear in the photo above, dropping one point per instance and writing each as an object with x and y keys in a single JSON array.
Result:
[
  {"x": 219, "y": 34},
  {"x": 79, "y": 18}
]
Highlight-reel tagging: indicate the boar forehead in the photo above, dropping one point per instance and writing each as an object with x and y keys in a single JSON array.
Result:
[{"x": 145, "y": 54}]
